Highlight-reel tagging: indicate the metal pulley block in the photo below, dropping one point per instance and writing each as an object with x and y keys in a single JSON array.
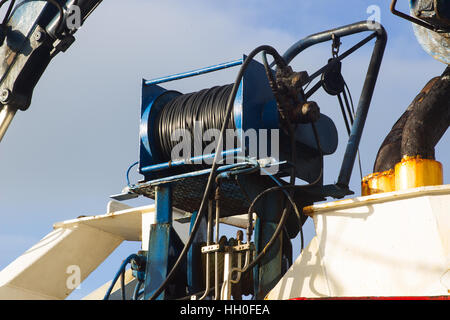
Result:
[{"x": 332, "y": 80}]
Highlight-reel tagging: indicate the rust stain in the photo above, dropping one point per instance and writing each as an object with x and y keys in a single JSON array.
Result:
[{"x": 378, "y": 182}]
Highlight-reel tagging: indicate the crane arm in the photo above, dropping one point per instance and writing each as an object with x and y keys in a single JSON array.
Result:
[{"x": 32, "y": 33}]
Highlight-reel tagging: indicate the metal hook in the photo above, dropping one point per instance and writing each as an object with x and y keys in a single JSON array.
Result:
[{"x": 335, "y": 46}]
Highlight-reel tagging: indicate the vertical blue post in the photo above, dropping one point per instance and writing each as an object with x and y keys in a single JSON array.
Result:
[
  {"x": 195, "y": 279},
  {"x": 163, "y": 204},
  {"x": 159, "y": 243}
]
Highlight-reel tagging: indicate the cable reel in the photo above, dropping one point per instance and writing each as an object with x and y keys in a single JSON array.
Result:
[{"x": 256, "y": 108}]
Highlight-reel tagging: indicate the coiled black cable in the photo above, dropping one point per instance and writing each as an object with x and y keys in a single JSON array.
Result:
[{"x": 207, "y": 108}]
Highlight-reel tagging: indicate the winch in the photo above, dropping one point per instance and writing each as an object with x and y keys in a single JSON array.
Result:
[{"x": 249, "y": 141}]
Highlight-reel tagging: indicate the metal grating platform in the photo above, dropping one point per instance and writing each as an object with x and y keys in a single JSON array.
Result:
[{"x": 187, "y": 194}]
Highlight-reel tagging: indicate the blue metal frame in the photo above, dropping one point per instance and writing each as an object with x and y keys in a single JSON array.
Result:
[
  {"x": 193, "y": 73},
  {"x": 254, "y": 108},
  {"x": 164, "y": 247},
  {"x": 194, "y": 257},
  {"x": 154, "y": 98},
  {"x": 159, "y": 243},
  {"x": 186, "y": 175}
]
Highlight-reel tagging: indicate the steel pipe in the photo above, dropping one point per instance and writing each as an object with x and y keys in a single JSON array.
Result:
[{"x": 6, "y": 116}]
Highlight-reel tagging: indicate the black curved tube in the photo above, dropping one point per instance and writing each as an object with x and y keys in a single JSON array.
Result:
[
  {"x": 368, "y": 89},
  {"x": 119, "y": 273},
  {"x": 320, "y": 37}
]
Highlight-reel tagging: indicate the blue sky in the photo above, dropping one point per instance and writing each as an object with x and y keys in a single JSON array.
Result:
[{"x": 64, "y": 156}]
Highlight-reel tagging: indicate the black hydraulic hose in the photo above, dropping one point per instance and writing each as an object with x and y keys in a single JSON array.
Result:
[
  {"x": 291, "y": 130},
  {"x": 269, "y": 72},
  {"x": 280, "y": 225},
  {"x": 347, "y": 106},
  {"x": 8, "y": 12},
  {"x": 198, "y": 294},
  {"x": 122, "y": 285},
  {"x": 279, "y": 60},
  {"x": 119, "y": 273},
  {"x": 269, "y": 244},
  {"x": 285, "y": 211},
  {"x": 137, "y": 290},
  {"x": 347, "y": 125}
]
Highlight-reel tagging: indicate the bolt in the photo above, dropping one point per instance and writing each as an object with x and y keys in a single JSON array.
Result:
[
  {"x": 306, "y": 112},
  {"x": 311, "y": 111},
  {"x": 239, "y": 236},
  {"x": 4, "y": 95},
  {"x": 298, "y": 79},
  {"x": 39, "y": 36}
]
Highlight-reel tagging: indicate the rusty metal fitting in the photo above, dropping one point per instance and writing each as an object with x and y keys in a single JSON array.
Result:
[
  {"x": 5, "y": 96},
  {"x": 239, "y": 236},
  {"x": 311, "y": 111},
  {"x": 290, "y": 81},
  {"x": 299, "y": 79},
  {"x": 306, "y": 112},
  {"x": 217, "y": 194}
]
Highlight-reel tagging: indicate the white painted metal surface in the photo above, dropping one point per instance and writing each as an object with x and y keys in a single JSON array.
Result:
[
  {"x": 46, "y": 270},
  {"x": 227, "y": 265},
  {"x": 391, "y": 244},
  {"x": 67, "y": 255},
  {"x": 49, "y": 269}
]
